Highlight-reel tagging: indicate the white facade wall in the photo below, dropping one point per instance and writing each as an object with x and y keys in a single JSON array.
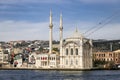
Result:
[
  {"x": 1, "y": 56},
  {"x": 42, "y": 61},
  {"x": 82, "y": 60},
  {"x": 72, "y": 61},
  {"x": 52, "y": 61}
]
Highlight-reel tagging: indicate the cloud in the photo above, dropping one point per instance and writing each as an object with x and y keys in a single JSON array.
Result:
[
  {"x": 24, "y": 30},
  {"x": 110, "y": 31},
  {"x": 99, "y": 1},
  {"x": 29, "y": 1}
]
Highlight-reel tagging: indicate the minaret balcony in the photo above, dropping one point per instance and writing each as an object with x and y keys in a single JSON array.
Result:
[{"x": 51, "y": 25}]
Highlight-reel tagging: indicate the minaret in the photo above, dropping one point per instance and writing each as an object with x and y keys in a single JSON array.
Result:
[
  {"x": 50, "y": 33},
  {"x": 61, "y": 39}
]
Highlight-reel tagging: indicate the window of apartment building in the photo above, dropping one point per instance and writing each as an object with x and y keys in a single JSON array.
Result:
[
  {"x": 104, "y": 55},
  {"x": 71, "y": 51},
  {"x": 43, "y": 58},
  {"x": 111, "y": 59},
  {"x": 104, "y": 59},
  {"x": 99, "y": 55},
  {"x": 110, "y": 55},
  {"x": 76, "y": 51},
  {"x": 66, "y": 51}
]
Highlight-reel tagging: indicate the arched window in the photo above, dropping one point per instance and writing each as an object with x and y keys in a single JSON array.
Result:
[
  {"x": 71, "y": 51},
  {"x": 71, "y": 62},
  {"x": 76, "y": 51},
  {"x": 66, "y": 51}
]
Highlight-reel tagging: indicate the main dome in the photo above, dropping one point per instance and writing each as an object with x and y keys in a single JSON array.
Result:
[{"x": 75, "y": 35}]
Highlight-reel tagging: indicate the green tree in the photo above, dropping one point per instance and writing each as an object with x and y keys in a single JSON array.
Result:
[{"x": 56, "y": 49}]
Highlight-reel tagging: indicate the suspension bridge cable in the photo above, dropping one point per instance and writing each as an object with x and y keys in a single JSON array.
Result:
[
  {"x": 100, "y": 23},
  {"x": 101, "y": 26}
]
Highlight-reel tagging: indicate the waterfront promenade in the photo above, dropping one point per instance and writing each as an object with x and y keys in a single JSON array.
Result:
[{"x": 60, "y": 69}]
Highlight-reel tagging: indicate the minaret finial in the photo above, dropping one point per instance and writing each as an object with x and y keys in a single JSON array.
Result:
[
  {"x": 76, "y": 29},
  {"x": 51, "y": 17},
  {"x": 60, "y": 14},
  {"x": 61, "y": 22}
]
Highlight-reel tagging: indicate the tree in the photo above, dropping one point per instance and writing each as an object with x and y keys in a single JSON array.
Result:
[
  {"x": 41, "y": 49},
  {"x": 98, "y": 63},
  {"x": 56, "y": 49}
]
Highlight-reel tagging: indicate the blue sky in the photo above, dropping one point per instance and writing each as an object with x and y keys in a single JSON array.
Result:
[{"x": 29, "y": 19}]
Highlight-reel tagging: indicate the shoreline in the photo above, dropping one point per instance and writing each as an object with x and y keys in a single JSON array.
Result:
[{"x": 59, "y": 69}]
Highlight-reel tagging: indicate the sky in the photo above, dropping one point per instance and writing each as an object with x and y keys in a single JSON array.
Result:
[{"x": 29, "y": 19}]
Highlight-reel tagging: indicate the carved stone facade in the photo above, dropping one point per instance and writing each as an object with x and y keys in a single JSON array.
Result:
[{"x": 77, "y": 52}]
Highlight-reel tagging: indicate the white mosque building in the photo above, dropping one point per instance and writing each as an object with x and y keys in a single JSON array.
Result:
[{"x": 75, "y": 51}]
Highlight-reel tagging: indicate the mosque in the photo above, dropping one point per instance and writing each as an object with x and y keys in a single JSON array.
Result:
[{"x": 75, "y": 51}]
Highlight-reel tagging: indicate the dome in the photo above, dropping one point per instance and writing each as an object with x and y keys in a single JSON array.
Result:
[{"x": 76, "y": 34}]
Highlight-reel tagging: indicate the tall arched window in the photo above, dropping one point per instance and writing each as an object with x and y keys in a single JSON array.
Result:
[
  {"x": 66, "y": 51},
  {"x": 71, "y": 51},
  {"x": 71, "y": 63},
  {"x": 76, "y": 51}
]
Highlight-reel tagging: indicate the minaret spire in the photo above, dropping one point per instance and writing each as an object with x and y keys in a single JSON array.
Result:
[
  {"x": 76, "y": 29},
  {"x": 50, "y": 25},
  {"x": 61, "y": 22},
  {"x": 50, "y": 33},
  {"x": 61, "y": 39}
]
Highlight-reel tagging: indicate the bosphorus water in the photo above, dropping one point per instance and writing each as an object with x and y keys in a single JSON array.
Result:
[{"x": 59, "y": 75}]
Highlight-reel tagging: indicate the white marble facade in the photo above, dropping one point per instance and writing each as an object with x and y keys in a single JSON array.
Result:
[{"x": 77, "y": 52}]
